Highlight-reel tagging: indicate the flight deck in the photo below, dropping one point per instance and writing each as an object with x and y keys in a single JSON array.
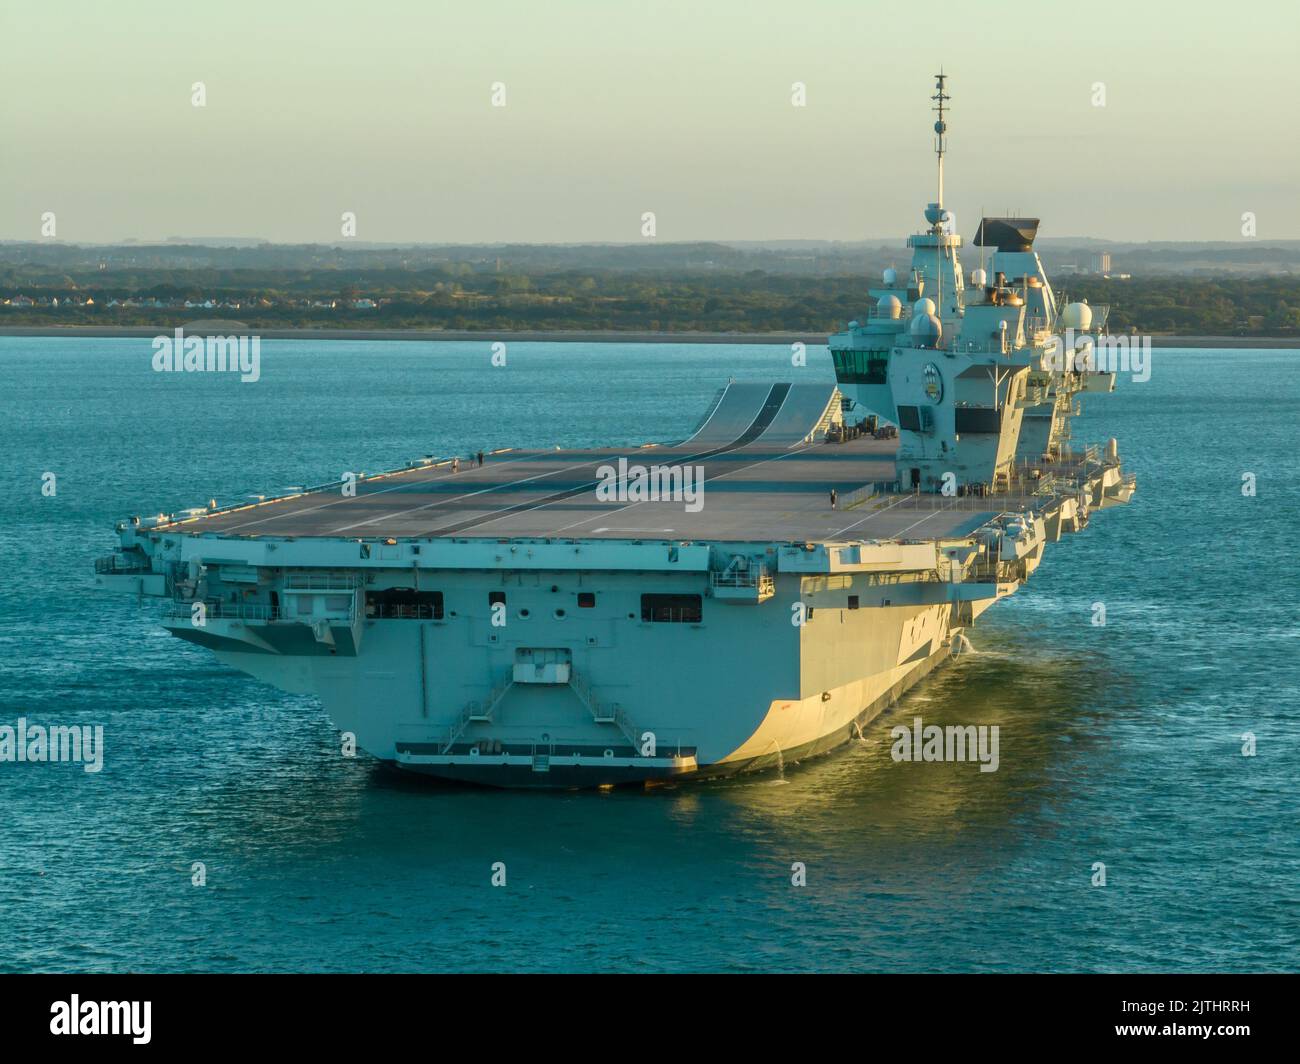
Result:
[
  {"x": 754, "y": 593},
  {"x": 763, "y": 468}
]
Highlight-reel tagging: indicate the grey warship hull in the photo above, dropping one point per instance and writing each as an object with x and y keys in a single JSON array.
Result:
[
  {"x": 748, "y": 596},
  {"x": 502, "y": 624}
]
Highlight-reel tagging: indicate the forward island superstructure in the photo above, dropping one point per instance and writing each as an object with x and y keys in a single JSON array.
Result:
[{"x": 514, "y": 621}]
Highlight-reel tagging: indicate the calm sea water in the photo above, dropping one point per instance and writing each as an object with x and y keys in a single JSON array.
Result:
[{"x": 1120, "y": 744}]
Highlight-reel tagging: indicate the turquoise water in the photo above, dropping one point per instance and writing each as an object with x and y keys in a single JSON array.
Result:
[{"x": 1120, "y": 744}]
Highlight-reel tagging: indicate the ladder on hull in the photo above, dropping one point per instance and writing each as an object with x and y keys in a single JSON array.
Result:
[{"x": 603, "y": 712}]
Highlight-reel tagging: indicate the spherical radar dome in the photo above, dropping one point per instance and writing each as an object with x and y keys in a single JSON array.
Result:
[
  {"x": 1077, "y": 316},
  {"x": 889, "y": 307},
  {"x": 926, "y": 330},
  {"x": 923, "y": 306},
  {"x": 891, "y": 276}
]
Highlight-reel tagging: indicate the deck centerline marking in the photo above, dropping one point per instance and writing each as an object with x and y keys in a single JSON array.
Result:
[
  {"x": 346, "y": 499},
  {"x": 720, "y": 476},
  {"x": 766, "y": 415}
]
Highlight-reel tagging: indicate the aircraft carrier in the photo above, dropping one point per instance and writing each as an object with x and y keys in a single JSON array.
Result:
[{"x": 749, "y": 596}]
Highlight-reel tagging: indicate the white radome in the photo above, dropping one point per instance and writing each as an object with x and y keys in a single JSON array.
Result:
[
  {"x": 890, "y": 276},
  {"x": 927, "y": 329},
  {"x": 978, "y": 278},
  {"x": 1077, "y": 316},
  {"x": 922, "y": 307},
  {"x": 889, "y": 307}
]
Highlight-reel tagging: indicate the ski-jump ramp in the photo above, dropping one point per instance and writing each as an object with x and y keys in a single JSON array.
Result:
[{"x": 746, "y": 410}]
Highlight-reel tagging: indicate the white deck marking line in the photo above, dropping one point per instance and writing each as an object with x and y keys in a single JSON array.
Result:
[
  {"x": 720, "y": 476},
  {"x": 346, "y": 499},
  {"x": 702, "y": 456},
  {"x": 439, "y": 502},
  {"x": 901, "y": 498},
  {"x": 991, "y": 510},
  {"x": 569, "y": 468},
  {"x": 901, "y": 532},
  {"x": 535, "y": 456},
  {"x": 913, "y": 525}
]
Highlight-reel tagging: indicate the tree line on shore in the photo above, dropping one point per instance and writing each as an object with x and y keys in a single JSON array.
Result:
[{"x": 457, "y": 297}]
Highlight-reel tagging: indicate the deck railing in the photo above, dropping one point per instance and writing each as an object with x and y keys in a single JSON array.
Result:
[
  {"x": 308, "y": 581},
  {"x": 851, "y": 499},
  {"x": 215, "y": 609},
  {"x": 218, "y": 609},
  {"x": 755, "y": 576},
  {"x": 109, "y": 564}
]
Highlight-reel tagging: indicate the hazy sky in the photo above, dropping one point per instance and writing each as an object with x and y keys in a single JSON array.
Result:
[{"x": 612, "y": 109}]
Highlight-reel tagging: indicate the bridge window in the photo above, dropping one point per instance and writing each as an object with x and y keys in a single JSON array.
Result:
[
  {"x": 861, "y": 367},
  {"x": 680, "y": 609}
]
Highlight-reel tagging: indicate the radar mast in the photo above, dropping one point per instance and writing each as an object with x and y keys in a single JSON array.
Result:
[{"x": 940, "y": 127}]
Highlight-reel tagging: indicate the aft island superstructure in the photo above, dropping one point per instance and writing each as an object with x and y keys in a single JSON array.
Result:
[{"x": 579, "y": 618}]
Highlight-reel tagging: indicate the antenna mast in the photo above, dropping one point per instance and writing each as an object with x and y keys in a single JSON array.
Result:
[{"x": 940, "y": 127}]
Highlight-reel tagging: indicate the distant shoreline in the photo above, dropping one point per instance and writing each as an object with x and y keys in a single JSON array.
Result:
[{"x": 558, "y": 336}]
